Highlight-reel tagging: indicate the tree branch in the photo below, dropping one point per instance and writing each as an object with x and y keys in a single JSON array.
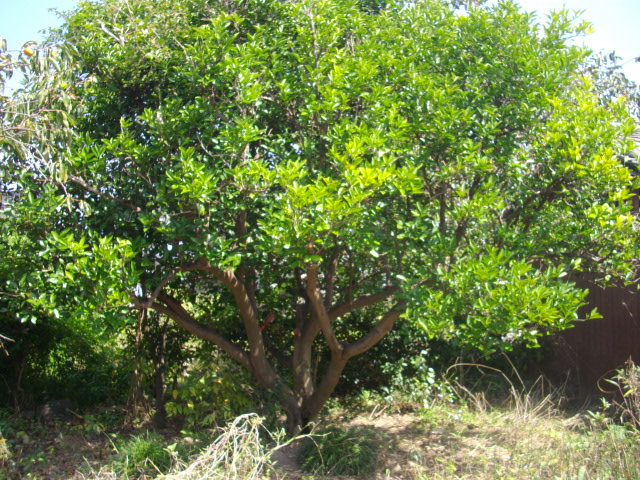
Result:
[
  {"x": 319, "y": 309},
  {"x": 2, "y": 340},
  {"x": 331, "y": 274},
  {"x": 442, "y": 214},
  {"x": 174, "y": 310},
  {"x": 384, "y": 325},
  {"x": 325, "y": 388},
  {"x": 361, "y": 302},
  {"x": 120, "y": 40},
  {"x": 199, "y": 265},
  {"x": 97, "y": 192},
  {"x": 282, "y": 357},
  {"x": 249, "y": 315}
]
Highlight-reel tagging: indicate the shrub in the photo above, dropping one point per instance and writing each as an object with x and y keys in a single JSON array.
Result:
[
  {"x": 5, "y": 453},
  {"x": 49, "y": 360},
  {"x": 208, "y": 396}
]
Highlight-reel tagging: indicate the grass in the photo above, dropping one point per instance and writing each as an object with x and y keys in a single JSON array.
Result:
[
  {"x": 523, "y": 433},
  {"x": 340, "y": 451},
  {"x": 524, "y": 436},
  {"x": 143, "y": 456},
  {"x": 505, "y": 444},
  {"x": 238, "y": 453}
]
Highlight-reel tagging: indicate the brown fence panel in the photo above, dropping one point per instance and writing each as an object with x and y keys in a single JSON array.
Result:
[{"x": 593, "y": 350}]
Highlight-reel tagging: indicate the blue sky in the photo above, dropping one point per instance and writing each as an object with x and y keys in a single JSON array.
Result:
[
  {"x": 616, "y": 23},
  {"x": 616, "y": 26},
  {"x": 22, "y": 20}
]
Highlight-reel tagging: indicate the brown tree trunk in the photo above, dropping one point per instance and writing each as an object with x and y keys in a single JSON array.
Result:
[
  {"x": 305, "y": 400},
  {"x": 313, "y": 405},
  {"x": 136, "y": 397},
  {"x": 160, "y": 364}
]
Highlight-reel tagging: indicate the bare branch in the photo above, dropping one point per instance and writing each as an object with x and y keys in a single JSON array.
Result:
[
  {"x": 174, "y": 310},
  {"x": 12, "y": 295},
  {"x": 361, "y": 302},
  {"x": 148, "y": 303},
  {"x": 249, "y": 315},
  {"x": 199, "y": 265},
  {"x": 377, "y": 333},
  {"x": 319, "y": 309},
  {"x": 326, "y": 386},
  {"x": 115, "y": 37},
  {"x": 2, "y": 340}
]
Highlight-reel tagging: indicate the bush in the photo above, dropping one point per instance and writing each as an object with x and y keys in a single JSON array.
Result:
[
  {"x": 350, "y": 451},
  {"x": 5, "y": 453},
  {"x": 49, "y": 360},
  {"x": 209, "y": 396}
]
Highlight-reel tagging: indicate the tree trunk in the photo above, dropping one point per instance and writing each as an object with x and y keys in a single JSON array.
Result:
[
  {"x": 160, "y": 363},
  {"x": 160, "y": 417},
  {"x": 313, "y": 405},
  {"x": 304, "y": 401},
  {"x": 136, "y": 396}
]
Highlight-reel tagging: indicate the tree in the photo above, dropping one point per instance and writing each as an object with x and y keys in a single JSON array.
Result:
[
  {"x": 50, "y": 350},
  {"x": 33, "y": 125},
  {"x": 264, "y": 172}
]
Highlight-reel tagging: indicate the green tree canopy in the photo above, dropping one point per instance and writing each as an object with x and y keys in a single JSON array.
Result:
[{"x": 263, "y": 171}]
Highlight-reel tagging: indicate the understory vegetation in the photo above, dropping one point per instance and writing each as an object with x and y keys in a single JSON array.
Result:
[{"x": 513, "y": 432}]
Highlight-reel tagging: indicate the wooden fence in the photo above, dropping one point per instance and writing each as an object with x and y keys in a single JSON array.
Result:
[{"x": 591, "y": 351}]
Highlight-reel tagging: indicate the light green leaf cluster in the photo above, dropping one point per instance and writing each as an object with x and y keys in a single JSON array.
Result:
[
  {"x": 36, "y": 122},
  {"x": 506, "y": 302}
]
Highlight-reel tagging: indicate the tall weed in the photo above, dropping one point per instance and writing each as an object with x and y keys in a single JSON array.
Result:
[
  {"x": 341, "y": 451},
  {"x": 625, "y": 395}
]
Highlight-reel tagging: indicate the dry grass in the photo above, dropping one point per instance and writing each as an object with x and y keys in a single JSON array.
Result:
[
  {"x": 524, "y": 437},
  {"x": 238, "y": 453}
]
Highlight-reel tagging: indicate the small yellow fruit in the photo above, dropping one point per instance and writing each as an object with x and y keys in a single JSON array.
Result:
[{"x": 28, "y": 51}]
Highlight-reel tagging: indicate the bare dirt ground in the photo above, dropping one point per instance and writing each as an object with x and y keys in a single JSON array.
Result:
[
  {"x": 62, "y": 452},
  {"x": 406, "y": 443},
  {"x": 445, "y": 446}
]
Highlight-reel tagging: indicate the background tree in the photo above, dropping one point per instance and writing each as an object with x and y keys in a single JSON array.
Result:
[
  {"x": 267, "y": 173},
  {"x": 50, "y": 350},
  {"x": 34, "y": 123}
]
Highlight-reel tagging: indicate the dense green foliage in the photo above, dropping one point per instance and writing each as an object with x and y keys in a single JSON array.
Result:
[{"x": 269, "y": 174}]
